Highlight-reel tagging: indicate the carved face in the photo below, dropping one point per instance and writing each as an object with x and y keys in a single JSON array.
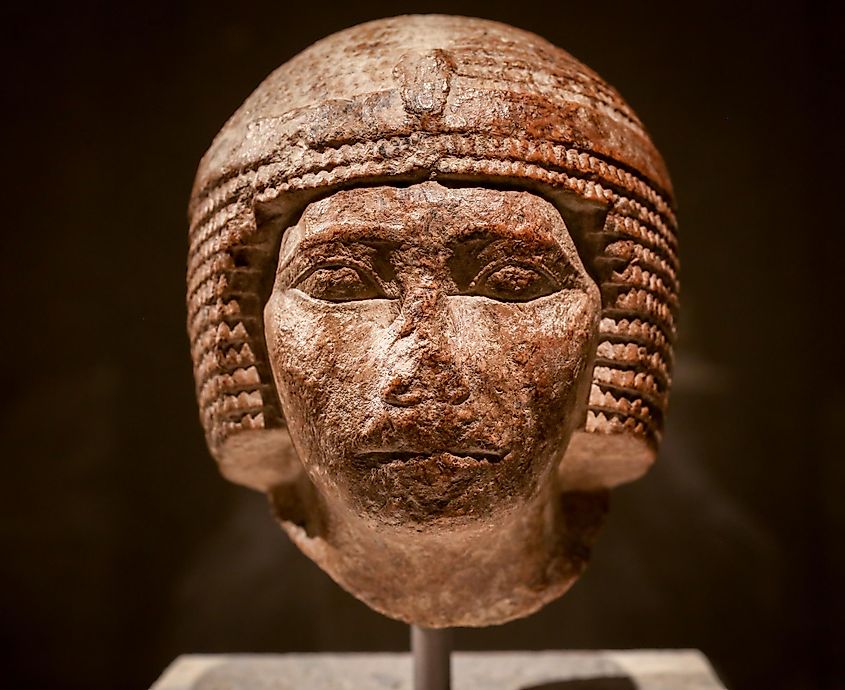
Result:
[{"x": 431, "y": 347}]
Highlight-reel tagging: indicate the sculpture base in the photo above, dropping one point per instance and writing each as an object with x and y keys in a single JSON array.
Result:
[{"x": 551, "y": 670}]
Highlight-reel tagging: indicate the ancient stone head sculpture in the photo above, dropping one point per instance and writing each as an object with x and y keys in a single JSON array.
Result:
[{"x": 431, "y": 291}]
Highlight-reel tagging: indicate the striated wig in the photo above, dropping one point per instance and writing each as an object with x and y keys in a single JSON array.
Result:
[{"x": 463, "y": 101}]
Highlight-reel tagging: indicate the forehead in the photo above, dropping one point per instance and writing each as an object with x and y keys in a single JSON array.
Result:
[{"x": 429, "y": 212}]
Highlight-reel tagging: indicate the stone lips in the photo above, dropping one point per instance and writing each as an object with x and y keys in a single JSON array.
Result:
[{"x": 407, "y": 99}]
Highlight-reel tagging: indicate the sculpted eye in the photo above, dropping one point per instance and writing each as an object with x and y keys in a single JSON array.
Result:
[
  {"x": 514, "y": 283},
  {"x": 339, "y": 283}
]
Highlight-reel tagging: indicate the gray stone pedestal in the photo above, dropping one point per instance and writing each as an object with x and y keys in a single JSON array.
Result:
[{"x": 553, "y": 670}]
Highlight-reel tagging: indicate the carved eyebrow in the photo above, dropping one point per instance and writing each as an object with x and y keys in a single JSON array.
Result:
[
  {"x": 327, "y": 249},
  {"x": 484, "y": 235},
  {"x": 359, "y": 232}
]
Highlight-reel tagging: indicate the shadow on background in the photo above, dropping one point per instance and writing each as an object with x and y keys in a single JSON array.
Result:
[{"x": 607, "y": 683}]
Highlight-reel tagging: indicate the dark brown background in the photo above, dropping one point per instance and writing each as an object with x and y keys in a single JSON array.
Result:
[{"x": 121, "y": 546}]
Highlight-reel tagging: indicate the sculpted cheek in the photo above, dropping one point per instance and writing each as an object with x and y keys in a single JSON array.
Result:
[
  {"x": 324, "y": 365},
  {"x": 562, "y": 342},
  {"x": 301, "y": 348},
  {"x": 533, "y": 350},
  {"x": 316, "y": 344}
]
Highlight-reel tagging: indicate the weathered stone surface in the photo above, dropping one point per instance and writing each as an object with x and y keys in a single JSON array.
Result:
[
  {"x": 600, "y": 670},
  {"x": 429, "y": 346},
  {"x": 432, "y": 292}
]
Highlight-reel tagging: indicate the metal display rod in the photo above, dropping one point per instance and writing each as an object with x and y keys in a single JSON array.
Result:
[{"x": 431, "y": 649}]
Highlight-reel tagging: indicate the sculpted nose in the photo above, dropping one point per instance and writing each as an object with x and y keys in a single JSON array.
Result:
[
  {"x": 423, "y": 366},
  {"x": 434, "y": 377}
]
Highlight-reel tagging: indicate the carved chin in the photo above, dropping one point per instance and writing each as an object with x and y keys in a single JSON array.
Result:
[{"x": 525, "y": 569}]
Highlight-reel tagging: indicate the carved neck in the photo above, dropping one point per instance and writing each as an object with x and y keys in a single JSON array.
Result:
[{"x": 466, "y": 577}]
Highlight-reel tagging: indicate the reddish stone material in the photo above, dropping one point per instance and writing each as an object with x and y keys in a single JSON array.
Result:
[{"x": 432, "y": 292}]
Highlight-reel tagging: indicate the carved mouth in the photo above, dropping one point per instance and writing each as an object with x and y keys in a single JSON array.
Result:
[{"x": 460, "y": 456}]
